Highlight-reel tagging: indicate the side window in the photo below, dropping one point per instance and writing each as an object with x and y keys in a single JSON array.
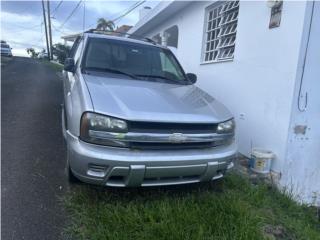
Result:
[{"x": 169, "y": 66}]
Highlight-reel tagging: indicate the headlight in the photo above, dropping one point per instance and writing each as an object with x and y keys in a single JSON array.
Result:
[
  {"x": 226, "y": 127},
  {"x": 95, "y": 126}
]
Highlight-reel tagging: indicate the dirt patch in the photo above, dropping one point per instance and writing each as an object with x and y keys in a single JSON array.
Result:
[{"x": 276, "y": 232}]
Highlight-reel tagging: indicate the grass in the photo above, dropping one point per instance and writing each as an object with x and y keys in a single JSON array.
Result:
[
  {"x": 232, "y": 208},
  {"x": 56, "y": 67}
]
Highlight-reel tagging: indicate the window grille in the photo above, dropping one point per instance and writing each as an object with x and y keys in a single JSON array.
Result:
[{"x": 220, "y": 31}]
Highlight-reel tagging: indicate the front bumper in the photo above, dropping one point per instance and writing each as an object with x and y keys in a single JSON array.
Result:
[{"x": 119, "y": 167}]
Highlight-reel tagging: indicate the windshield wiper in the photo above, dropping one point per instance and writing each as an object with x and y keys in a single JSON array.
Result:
[
  {"x": 112, "y": 70},
  {"x": 158, "y": 76}
]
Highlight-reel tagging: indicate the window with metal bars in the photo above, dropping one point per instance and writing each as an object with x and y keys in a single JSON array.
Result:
[{"x": 221, "y": 21}]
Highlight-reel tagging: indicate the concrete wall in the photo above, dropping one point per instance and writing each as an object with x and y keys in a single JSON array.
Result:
[
  {"x": 258, "y": 85},
  {"x": 302, "y": 164}
]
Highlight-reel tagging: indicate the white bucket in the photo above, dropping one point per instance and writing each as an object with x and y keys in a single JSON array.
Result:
[{"x": 261, "y": 160}]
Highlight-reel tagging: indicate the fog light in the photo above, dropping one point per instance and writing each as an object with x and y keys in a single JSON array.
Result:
[
  {"x": 230, "y": 165},
  {"x": 95, "y": 170}
]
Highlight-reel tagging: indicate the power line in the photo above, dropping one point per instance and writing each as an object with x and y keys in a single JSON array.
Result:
[
  {"x": 57, "y": 29},
  {"x": 126, "y": 12},
  {"x": 129, "y": 11},
  {"x": 56, "y": 8},
  {"x": 70, "y": 15},
  {"x": 83, "y": 21},
  {"x": 27, "y": 28},
  {"x": 84, "y": 15},
  {"x": 123, "y": 10}
]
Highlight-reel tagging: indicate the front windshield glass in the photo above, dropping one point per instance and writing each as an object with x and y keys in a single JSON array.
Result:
[
  {"x": 4, "y": 45},
  {"x": 134, "y": 59}
]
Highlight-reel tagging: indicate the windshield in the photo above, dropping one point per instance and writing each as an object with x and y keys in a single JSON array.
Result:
[
  {"x": 132, "y": 59},
  {"x": 4, "y": 45}
]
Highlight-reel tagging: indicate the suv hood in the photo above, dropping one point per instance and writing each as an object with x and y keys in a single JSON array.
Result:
[{"x": 139, "y": 100}]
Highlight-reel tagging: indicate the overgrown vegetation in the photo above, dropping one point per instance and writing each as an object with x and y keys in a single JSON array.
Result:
[
  {"x": 32, "y": 52},
  {"x": 61, "y": 51},
  {"x": 232, "y": 208},
  {"x": 55, "y": 66}
]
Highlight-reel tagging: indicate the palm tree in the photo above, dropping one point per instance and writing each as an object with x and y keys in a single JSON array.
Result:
[{"x": 103, "y": 24}]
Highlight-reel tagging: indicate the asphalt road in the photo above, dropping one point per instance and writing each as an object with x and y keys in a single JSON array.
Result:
[{"x": 33, "y": 179}]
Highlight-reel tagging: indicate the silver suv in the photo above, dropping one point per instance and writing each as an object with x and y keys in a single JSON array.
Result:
[
  {"x": 5, "y": 50},
  {"x": 133, "y": 117}
]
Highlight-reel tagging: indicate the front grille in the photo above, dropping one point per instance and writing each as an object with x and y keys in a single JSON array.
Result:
[
  {"x": 160, "y": 127},
  {"x": 176, "y": 146},
  {"x": 169, "y": 146},
  {"x": 170, "y": 128}
]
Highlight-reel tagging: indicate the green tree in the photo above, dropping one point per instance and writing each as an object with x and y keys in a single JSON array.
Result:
[
  {"x": 105, "y": 25},
  {"x": 32, "y": 52},
  {"x": 61, "y": 51}
]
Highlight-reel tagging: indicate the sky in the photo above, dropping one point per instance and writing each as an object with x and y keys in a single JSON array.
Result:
[{"x": 22, "y": 21}]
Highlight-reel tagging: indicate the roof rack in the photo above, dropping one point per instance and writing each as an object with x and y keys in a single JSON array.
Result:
[
  {"x": 150, "y": 40},
  {"x": 146, "y": 39}
]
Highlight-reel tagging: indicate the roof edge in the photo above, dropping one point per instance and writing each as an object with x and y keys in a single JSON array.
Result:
[{"x": 160, "y": 13}]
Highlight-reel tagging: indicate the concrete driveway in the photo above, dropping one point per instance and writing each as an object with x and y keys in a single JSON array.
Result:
[{"x": 32, "y": 151}]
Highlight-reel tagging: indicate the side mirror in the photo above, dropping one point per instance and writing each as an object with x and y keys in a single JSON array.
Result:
[
  {"x": 192, "y": 77},
  {"x": 69, "y": 65}
]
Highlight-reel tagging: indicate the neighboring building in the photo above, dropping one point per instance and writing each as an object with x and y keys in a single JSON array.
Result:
[
  {"x": 119, "y": 31},
  {"x": 70, "y": 37},
  {"x": 263, "y": 63}
]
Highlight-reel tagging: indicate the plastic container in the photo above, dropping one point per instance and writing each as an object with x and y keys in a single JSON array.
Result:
[{"x": 261, "y": 160}]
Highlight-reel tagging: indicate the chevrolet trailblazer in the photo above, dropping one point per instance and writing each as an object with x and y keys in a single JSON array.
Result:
[{"x": 132, "y": 117}]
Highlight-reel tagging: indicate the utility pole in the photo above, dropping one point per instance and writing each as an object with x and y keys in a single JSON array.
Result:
[
  {"x": 50, "y": 33},
  {"x": 45, "y": 27}
]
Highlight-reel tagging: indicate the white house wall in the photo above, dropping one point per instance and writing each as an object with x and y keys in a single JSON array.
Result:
[
  {"x": 258, "y": 85},
  {"x": 302, "y": 171}
]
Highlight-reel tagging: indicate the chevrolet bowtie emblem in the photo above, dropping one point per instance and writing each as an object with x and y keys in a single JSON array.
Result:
[{"x": 177, "y": 138}]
